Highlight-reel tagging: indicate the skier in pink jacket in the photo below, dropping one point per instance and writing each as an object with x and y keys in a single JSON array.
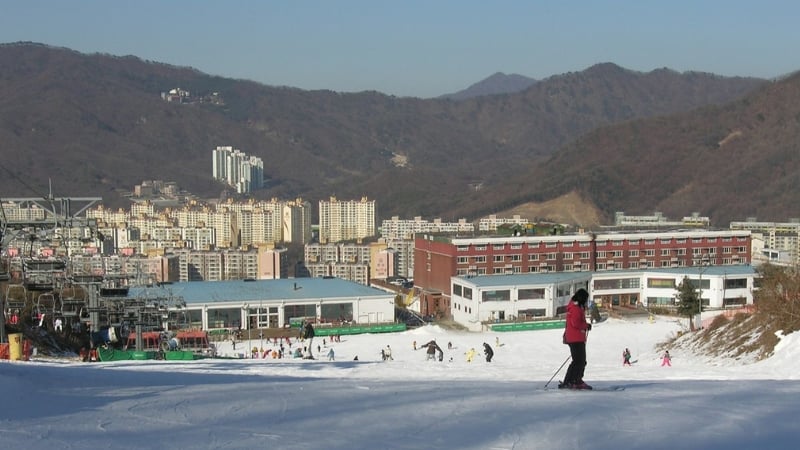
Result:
[{"x": 575, "y": 337}]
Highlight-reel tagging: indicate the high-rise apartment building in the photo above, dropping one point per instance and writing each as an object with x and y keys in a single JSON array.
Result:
[
  {"x": 778, "y": 236},
  {"x": 235, "y": 168},
  {"x": 346, "y": 220}
]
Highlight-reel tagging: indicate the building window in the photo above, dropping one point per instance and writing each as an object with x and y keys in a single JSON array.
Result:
[
  {"x": 481, "y": 271},
  {"x": 735, "y": 283},
  {"x": 665, "y": 252},
  {"x": 661, "y": 283},
  {"x": 552, "y": 256},
  {"x": 463, "y": 259},
  {"x": 497, "y": 270},
  {"x": 479, "y": 259},
  {"x": 601, "y": 254},
  {"x": 516, "y": 257},
  {"x": 567, "y": 267},
  {"x": 498, "y": 258},
  {"x": 480, "y": 247},
  {"x": 650, "y": 252},
  {"x": 462, "y": 248},
  {"x": 530, "y": 294},
  {"x": 516, "y": 246},
  {"x": 498, "y": 246},
  {"x": 533, "y": 257},
  {"x": 551, "y": 244},
  {"x": 616, "y": 243},
  {"x": 584, "y": 244},
  {"x": 616, "y": 283},
  {"x": 567, "y": 256}
]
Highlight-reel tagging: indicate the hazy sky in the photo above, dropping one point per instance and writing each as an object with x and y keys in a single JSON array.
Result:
[{"x": 418, "y": 48}]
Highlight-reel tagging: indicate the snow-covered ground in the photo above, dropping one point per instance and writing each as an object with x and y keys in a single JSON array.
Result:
[{"x": 411, "y": 403}]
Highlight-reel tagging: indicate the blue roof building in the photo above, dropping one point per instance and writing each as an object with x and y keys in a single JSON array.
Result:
[{"x": 250, "y": 304}]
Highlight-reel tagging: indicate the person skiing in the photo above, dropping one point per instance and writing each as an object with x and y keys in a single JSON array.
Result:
[
  {"x": 626, "y": 357},
  {"x": 470, "y": 354},
  {"x": 666, "y": 360},
  {"x": 432, "y": 348},
  {"x": 388, "y": 353},
  {"x": 308, "y": 333},
  {"x": 330, "y": 354},
  {"x": 575, "y": 336},
  {"x": 487, "y": 350}
]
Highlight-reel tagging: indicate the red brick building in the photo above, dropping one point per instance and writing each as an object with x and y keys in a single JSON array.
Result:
[{"x": 438, "y": 257}]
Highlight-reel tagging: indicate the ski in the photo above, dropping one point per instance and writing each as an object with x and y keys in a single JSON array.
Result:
[{"x": 594, "y": 389}]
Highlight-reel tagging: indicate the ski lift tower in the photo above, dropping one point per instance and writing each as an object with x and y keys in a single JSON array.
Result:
[{"x": 54, "y": 213}]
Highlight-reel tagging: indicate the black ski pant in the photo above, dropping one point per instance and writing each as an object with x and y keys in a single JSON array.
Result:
[{"x": 577, "y": 351}]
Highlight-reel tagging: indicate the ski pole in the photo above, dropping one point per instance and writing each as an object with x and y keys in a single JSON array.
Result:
[{"x": 558, "y": 370}]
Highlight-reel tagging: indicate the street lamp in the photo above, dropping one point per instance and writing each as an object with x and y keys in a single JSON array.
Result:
[{"x": 704, "y": 262}]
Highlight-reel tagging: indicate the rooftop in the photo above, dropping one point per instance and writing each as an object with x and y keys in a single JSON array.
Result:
[{"x": 294, "y": 289}]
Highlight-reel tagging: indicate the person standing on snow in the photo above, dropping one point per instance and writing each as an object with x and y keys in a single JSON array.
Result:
[
  {"x": 626, "y": 357},
  {"x": 575, "y": 336},
  {"x": 666, "y": 360},
  {"x": 487, "y": 350},
  {"x": 308, "y": 333},
  {"x": 388, "y": 353},
  {"x": 330, "y": 354}
]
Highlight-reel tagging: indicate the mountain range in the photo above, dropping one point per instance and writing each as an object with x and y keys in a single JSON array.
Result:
[{"x": 601, "y": 140}]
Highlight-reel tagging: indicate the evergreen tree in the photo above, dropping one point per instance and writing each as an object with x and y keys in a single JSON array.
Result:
[{"x": 688, "y": 300}]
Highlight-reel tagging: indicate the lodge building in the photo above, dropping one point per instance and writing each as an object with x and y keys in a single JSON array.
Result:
[{"x": 439, "y": 257}]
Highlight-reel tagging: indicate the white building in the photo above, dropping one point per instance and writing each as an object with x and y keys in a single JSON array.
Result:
[
  {"x": 235, "y": 168},
  {"x": 781, "y": 236},
  {"x": 274, "y": 303},
  {"x": 479, "y": 301}
]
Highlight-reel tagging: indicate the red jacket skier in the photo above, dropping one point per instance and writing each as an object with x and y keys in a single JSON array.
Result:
[{"x": 575, "y": 337}]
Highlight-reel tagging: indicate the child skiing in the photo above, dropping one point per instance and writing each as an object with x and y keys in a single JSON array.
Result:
[
  {"x": 666, "y": 360},
  {"x": 470, "y": 354},
  {"x": 626, "y": 357}
]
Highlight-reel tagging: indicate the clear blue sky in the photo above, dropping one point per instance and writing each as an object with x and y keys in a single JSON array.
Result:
[{"x": 419, "y": 48}]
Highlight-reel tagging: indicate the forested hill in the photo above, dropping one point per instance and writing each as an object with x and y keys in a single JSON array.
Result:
[{"x": 97, "y": 125}]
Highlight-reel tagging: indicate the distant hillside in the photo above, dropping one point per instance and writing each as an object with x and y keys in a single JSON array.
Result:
[
  {"x": 729, "y": 162},
  {"x": 96, "y": 125},
  {"x": 499, "y": 83}
]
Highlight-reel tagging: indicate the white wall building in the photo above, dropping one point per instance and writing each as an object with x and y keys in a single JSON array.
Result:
[{"x": 478, "y": 301}]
